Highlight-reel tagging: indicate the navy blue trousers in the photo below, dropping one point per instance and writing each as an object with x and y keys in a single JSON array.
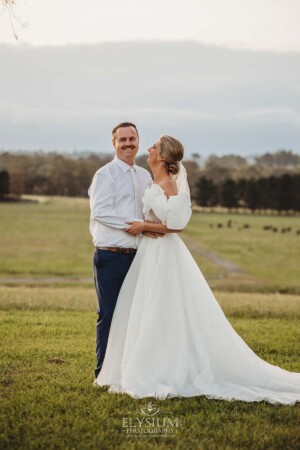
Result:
[{"x": 110, "y": 269}]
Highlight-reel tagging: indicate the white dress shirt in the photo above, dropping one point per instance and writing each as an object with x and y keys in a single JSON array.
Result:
[{"x": 116, "y": 197}]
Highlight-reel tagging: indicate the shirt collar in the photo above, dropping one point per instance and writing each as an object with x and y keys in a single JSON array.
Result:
[{"x": 123, "y": 165}]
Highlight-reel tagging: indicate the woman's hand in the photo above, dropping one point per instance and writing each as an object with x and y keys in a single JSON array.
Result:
[{"x": 135, "y": 228}]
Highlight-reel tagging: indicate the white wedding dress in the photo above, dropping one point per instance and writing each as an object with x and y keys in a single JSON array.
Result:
[{"x": 169, "y": 336}]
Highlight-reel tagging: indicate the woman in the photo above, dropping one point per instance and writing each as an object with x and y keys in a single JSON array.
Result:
[{"x": 169, "y": 336}]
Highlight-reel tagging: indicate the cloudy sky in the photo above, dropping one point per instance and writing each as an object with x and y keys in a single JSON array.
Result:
[
  {"x": 255, "y": 24},
  {"x": 222, "y": 76}
]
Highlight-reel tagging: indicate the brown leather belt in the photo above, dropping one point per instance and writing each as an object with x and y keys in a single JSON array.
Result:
[{"x": 118, "y": 249}]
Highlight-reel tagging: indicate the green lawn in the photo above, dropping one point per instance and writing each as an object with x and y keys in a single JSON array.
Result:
[
  {"x": 52, "y": 239},
  {"x": 270, "y": 258},
  {"x": 46, "y": 239},
  {"x": 47, "y": 334},
  {"x": 47, "y": 361}
]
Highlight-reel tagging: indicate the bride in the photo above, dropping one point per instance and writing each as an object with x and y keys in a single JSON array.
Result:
[{"x": 169, "y": 336}]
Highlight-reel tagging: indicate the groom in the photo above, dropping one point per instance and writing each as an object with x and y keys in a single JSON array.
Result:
[{"x": 115, "y": 197}]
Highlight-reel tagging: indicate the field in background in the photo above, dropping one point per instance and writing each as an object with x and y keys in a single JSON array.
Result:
[
  {"x": 49, "y": 238},
  {"x": 50, "y": 241},
  {"x": 47, "y": 359},
  {"x": 268, "y": 259},
  {"x": 47, "y": 332}
]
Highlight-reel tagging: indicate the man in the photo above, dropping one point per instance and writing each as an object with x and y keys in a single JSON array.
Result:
[{"x": 115, "y": 198}]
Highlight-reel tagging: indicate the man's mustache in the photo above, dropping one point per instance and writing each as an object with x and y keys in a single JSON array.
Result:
[{"x": 132, "y": 147}]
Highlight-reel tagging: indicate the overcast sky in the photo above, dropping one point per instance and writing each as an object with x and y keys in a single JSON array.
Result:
[
  {"x": 256, "y": 24},
  {"x": 238, "y": 94}
]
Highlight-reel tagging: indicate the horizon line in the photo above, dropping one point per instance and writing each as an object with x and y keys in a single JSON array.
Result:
[{"x": 230, "y": 47}]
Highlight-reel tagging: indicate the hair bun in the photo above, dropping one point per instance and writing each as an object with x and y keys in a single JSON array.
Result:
[
  {"x": 173, "y": 168},
  {"x": 172, "y": 151}
]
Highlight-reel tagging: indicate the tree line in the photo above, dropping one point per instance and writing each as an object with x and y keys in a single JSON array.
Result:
[
  {"x": 268, "y": 181},
  {"x": 272, "y": 193},
  {"x": 42, "y": 173}
]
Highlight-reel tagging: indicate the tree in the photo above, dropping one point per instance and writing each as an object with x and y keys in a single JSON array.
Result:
[
  {"x": 207, "y": 192},
  {"x": 241, "y": 189},
  {"x": 196, "y": 158},
  {"x": 16, "y": 182},
  {"x": 273, "y": 189},
  {"x": 265, "y": 191},
  {"x": 296, "y": 192},
  {"x": 8, "y": 7},
  {"x": 7, "y": 4},
  {"x": 252, "y": 195},
  {"x": 220, "y": 168},
  {"x": 4, "y": 183},
  {"x": 285, "y": 197},
  {"x": 228, "y": 194},
  {"x": 192, "y": 170},
  {"x": 281, "y": 158}
]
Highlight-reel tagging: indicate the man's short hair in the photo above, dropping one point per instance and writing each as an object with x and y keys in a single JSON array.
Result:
[{"x": 124, "y": 125}]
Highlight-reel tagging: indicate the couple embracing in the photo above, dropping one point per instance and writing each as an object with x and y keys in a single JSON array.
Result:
[{"x": 160, "y": 331}]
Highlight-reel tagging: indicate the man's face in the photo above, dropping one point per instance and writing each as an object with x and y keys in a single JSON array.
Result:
[{"x": 126, "y": 143}]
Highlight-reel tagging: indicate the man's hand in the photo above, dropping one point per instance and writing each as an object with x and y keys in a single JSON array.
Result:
[{"x": 135, "y": 228}]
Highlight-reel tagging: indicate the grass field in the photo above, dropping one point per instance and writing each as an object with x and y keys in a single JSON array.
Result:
[
  {"x": 47, "y": 333},
  {"x": 51, "y": 239},
  {"x": 272, "y": 258},
  {"x": 47, "y": 361},
  {"x": 45, "y": 239}
]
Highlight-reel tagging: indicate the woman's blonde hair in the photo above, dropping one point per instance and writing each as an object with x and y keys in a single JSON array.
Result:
[{"x": 171, "y": 150}]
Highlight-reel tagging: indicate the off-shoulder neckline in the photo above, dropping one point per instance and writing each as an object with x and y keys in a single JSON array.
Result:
[{"x": 161, "y": 189}]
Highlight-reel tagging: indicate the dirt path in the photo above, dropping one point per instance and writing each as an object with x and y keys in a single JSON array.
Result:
[
  {"x": 211, "y": 256},
  {"x": 230, "y": 267},
  {"x": 231, "y": 276},
  {"x": 45, "y": 280}
]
